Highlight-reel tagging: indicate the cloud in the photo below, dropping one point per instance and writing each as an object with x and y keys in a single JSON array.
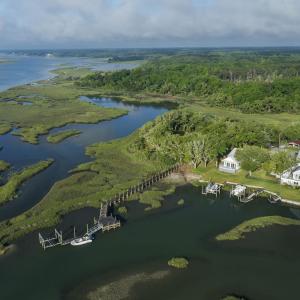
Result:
[{"x": 102, "y": 23}]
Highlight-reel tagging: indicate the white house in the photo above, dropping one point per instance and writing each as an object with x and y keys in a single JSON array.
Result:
[
  {"x": 230, "y": 164},
  {"x": 292, "y": 176}
]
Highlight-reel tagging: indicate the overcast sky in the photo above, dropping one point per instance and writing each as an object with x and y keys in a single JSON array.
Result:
[{"x": 148, "y": 23}]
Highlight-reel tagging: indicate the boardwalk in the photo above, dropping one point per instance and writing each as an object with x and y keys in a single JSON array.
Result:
[{"x": 107, "y": 222}]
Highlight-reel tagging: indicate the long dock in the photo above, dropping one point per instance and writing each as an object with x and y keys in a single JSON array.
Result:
[{"x": 106, "y": 222}]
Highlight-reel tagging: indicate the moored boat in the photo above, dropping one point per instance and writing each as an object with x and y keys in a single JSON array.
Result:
[{"x": 82, "y": 241}]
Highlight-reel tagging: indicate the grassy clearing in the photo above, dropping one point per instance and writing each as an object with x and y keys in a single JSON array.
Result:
[
  {"x": 71, "y": 73},
  {"x": 4, "y": 166},
  {"x": 277, "y": 120},
  {"x": 258, "y": 178},
  {"x": 9, "y": 190},
  {"x": 55, "y": 103},
  {"x": 178, "y": 262},
  {"x": 254, "y": 224},
  {"x": 4, "y": 128},
  {"x": 62, "y": 135}
]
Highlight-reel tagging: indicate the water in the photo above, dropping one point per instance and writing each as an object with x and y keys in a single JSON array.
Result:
[
  {"x": 20, "y": 154},
  {"x": 263, "y": 266},
  {"x": 22, "y": 69}
]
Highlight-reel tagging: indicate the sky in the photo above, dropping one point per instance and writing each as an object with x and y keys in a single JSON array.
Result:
[{"x": 32, "y": 24}]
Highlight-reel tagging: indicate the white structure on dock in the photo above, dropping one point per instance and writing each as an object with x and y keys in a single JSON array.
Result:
[
  {"x": 212, "y": 188},
  {"x": 239, "y": 191},
  {"x": 291, "y": 177},
  {"x": 230, "y": 164}
]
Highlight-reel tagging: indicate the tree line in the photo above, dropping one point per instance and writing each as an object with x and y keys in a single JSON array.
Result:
[
  {"x": 251, "y": 82},
  {"x": 187, "y": 136}
]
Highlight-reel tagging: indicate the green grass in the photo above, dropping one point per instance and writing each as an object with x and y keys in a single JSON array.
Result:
[
  {"x": 9, "y": 190},
  {"x": 122, "y": 210},
  {"x": 55, "y": 103},
  {"x": 277, "y": 120},
  {"x": 254, "y": 224},
  {"x": 72, "y": 73},
  {"x": 4, "y": 166},
  {"x": 153, "y": 198},
  {"x": 181, "y": 202},
  {"x": 259, "y": 179},
  {"x": 178, "y": 262},
  {"x": 114, "y": 169},
  {"x": 62, "y": 135},
  {"x": 4, "y": 128}
]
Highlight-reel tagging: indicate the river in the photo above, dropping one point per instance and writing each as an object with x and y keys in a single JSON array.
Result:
[
  {"x": 263, "y": 266},
  {"x": 23, "y": 69}
]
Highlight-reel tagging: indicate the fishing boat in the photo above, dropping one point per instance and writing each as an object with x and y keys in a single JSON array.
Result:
[{"x": 82, "y": 241}]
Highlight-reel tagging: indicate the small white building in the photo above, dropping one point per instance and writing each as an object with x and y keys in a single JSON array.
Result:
[
  {"x": 292, "y": 176},
  {"x": 230, "y": 164}
]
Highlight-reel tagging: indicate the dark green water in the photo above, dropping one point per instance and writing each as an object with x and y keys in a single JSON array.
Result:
[{"x": 266, "y": 265}]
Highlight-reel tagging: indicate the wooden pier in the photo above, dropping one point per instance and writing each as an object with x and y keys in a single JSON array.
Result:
[
  {"x": 103, "y": 223},
  {"x": 107, "y": 222},
  {"x": 139, "y": 188}
]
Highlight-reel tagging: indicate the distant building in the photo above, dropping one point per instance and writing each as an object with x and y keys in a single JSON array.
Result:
[
  {"x": 295, "y": 144},
  {"x": 230, "y": 164},
  {"x": 292, "y": 176},
  {"x": 298, "y": 156}
]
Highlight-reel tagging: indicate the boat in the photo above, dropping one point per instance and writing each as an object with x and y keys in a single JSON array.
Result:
[{"x": 82, "y": 241}]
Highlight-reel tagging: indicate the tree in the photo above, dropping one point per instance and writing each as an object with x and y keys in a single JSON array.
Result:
[
  {"x": 281, "y": 161},
  {"x": 252, "y": 158},
  {"x": 200, "y": 151}
]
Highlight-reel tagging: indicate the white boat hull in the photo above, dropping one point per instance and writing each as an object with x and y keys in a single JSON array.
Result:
[{"x": 81, "y": 241}]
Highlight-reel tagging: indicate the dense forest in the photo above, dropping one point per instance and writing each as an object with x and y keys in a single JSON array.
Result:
[
  {"x": 188, "y": 136},
  {"x": 251, "y": 81}
]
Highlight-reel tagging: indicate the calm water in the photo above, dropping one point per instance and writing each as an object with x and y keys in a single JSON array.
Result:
[
  {"x": 21, "y": 154},
  {"x": 25, "y": 69},
  {"x": 266, "y": 265}
]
